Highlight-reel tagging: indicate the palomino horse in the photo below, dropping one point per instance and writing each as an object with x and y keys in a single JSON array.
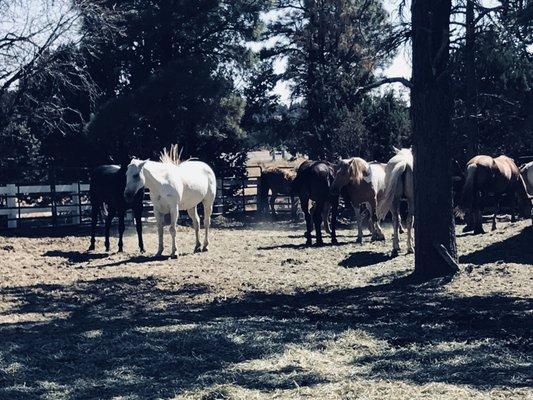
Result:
[
  {"x": 399, "y": 185},
  {"x": 313, "y": 181},
  {"x": 278, "y": 181},
  {"x": 500, "y": 176},
  {"x": 365, "y": 184},
  {"x": 174, "y": 186},
  {"x": 106, "y": 192}
]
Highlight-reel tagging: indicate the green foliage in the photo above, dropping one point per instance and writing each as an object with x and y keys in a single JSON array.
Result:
[
  {"x": 178, "y": 61},
  {"x": 333, "y": 48}
]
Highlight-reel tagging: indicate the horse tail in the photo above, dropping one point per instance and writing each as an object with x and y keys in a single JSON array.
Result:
[
  {"x": 103, "y": 211},
  {"x": 262, "y": 191},
  {"x": 469, "y": 189},
  {"x": 170, "y": 156},
  {"x": 392, "y": 182}
]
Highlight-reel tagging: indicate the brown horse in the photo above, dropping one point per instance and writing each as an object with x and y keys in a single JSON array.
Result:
[
  {"x": 365, "y": 184},
  {"x": 313, "y": 181},
  {"x": 499, "y": 176},
  {"x": 278, "y": 181}
]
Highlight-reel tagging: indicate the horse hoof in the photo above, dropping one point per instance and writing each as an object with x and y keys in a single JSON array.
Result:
[
  {"x": 120, "y": 250},
  {"x": 91, "y": 248},
  {"x": 319, "y": 243},
  {"x": 410, "y": 251},
  {"x": 359, "y": 240},
  {"x": 308, "y": 242},
  {"x": 197, "y": 249},
  {"x": 334, "y": 242},
  {"x": 141, "y": 250},
  {"x": 205, "y": 249},
  {"x": 173, "y": 256},
  {"x": 479, "y": 232},
  {"x": 394, "y": 253}
]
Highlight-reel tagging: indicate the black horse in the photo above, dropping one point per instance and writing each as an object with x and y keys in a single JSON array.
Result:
[
  {"x": 312, "y": 182},
  {"x": 107, "y": 186}
]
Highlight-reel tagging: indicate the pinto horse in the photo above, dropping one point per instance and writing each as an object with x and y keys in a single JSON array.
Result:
[
  {"x": 174, "y": 186},
  {"x": 107, "y": 183},
  {"x": 278, "y": 181},
  {"x": 313, "y": 182},
  {"x": 365, "y": 184},
  {"x": 499, "y": 176},
  {"x": 399, "y": 184}
]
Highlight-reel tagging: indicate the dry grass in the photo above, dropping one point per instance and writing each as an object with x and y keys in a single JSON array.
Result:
[{"x": 261, "y": 316}]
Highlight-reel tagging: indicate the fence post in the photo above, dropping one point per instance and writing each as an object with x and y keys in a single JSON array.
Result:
[
  {"x": 76, "y": 200},
  {"x": 51, "y": 177},
  {"x": 243, "y": 181},
  {"x": 12, "y": 213}
]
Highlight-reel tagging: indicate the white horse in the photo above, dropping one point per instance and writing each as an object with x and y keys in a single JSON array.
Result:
[
  {"x": 174, "y": 186},
  {"x": 399, "y": 184},
  {"x": 527, "y": 174}
]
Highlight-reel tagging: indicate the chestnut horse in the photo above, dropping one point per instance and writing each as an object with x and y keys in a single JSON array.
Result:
[
  {"x": 313, "y": 181},
  {"x": 499, "y": 176},
  {"x": 365, "y": 184},
  {"x": 278, "y": 181}
]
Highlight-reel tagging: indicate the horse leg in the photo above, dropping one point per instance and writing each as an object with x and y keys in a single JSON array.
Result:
[
  {"x": 334, "y": 211},
  {"x": 272, "y": 202},
  {"x": 496, "y": 211},
  {"x": 137, "y": 212},
  {"x": 174, "y": 213},
  {"x": 95, "y": 210},
  {"x": 410, "y": 224},
  {"x": 193, "y": 214},
  {"x": 377, "y": 233},
  {"x": 357, "y": 210},
  {"x": 109, "y": 218},
  {"x": 208, "y": 210},
  {"x": 121, "y": 229},
  {"x": 159, "y": 221},
  {"x": 304, "y": 202},
  {"x": 317, "y": 219},
  {"x": 476, "y": 215},
  {"x": 514, "y": 205},
  {"x": 325, "y": 216},
  {"x": 395, "y": 225}
]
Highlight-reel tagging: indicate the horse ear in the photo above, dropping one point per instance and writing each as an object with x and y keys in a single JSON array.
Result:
[
  {"x": 142, "y": 163},
  {"x": 396, "y": 150}
]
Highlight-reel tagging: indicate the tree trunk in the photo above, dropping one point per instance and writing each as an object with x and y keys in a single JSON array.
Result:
[
  {"x": 470, "y": 82},
  {"x": 431, "y": 112}
]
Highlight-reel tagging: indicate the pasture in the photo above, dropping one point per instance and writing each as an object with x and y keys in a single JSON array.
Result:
[{"x": 262, "y": 316}]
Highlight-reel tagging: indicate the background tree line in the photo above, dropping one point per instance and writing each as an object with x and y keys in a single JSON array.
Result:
[{"x": 98, "y": 80}]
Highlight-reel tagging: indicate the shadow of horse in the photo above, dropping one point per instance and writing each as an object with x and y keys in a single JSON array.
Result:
[
  {"x": 75, "y": 257},
  {"x": 364, "y": 259}
]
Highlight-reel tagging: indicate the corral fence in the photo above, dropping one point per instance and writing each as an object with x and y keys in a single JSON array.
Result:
[{"x": 60, "y": 197}]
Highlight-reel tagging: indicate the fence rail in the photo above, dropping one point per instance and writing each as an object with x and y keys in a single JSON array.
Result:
[{"x": 50, "y": 203}]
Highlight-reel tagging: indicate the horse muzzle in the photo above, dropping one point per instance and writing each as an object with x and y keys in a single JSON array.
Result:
[{"x": 128, "y": 196}]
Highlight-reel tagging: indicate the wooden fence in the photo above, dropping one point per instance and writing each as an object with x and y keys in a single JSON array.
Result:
[{"x": 59, "y": 204}]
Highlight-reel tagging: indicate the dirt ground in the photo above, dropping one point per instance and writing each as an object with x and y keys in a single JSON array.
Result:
[{"x": 262, "y": 316}]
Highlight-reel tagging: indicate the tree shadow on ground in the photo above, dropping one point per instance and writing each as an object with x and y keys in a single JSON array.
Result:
[
  {"x": 134, "y": 337},
  {"x": 516, "y": 249},
  {"x": 364, "y": 259}
]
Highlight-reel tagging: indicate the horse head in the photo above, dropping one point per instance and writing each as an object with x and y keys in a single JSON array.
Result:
[
  {"x": 134, "y": 179},
  {"x": 342, "y": 176}
]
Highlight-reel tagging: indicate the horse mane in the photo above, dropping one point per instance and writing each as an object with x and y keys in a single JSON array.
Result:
[
  {"x": 358, "y": 169},
  {"x": 170, "y": 156}
]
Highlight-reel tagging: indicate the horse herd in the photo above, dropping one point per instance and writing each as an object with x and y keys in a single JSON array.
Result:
[{"x": 379, "y": 187}]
